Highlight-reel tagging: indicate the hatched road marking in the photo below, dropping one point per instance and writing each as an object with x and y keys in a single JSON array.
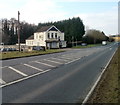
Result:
[
  {"x": 33, "y": 67},
  {"x": 44, "y": 64},
  {"x": 66, "y": 58},
  {"x": 19, "y": 72},
  {"x": 3, "y": 67},
  {"x": 59, "y": 59},
  {"x": 2, "y": 82},
  {"x": 53, "y": 61},
  {"x": 72, "y": 61},
  {"x": 25, "y": 78}
]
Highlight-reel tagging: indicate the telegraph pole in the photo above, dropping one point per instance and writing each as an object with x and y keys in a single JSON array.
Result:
[
  {"x": 2, "y": 27},
  {"x": 19, "y": 30}
]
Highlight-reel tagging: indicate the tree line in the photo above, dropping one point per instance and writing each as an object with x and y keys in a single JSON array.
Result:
[
  {"x": 10, "y": 31},
  {"x": 93, "y": 36},
  {"x": 74, "y": 30}
]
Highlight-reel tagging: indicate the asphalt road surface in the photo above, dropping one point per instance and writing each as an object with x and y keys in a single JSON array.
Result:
[{"x": 65, "y": 77}]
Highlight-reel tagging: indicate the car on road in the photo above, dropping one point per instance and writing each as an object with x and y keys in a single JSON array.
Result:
[{"x": 104, "y": 43}]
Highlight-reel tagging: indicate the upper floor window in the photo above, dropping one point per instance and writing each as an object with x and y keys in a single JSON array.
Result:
[
  {"x": 56, "y": 35},
  {"x": 40, "y": 37},
  {"x": 52, "y": 35},
  {"x": 48, "y": 35}
]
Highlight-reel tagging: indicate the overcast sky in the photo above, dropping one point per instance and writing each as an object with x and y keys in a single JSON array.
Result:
[{"x": 96, "y": 14}]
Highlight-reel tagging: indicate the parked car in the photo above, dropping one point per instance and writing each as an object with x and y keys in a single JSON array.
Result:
[
  {"x": 3, "y": 49},
  {"x": 38, "y": 48},
  {"x": 14, "y": 49},
  {"x": 83, "y": 44}
]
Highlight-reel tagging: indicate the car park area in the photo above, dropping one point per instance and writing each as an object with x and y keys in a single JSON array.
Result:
[{"x": 19, "y": 71}]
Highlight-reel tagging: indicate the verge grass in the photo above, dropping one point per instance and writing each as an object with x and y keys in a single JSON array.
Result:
[
  {"x": 108, "y": 89},
  {"x": 16, "y": 54}
]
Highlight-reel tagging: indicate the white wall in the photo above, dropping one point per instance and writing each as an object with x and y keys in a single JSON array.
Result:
[
  {"x": 39, "y": 39},
  {"x": 30, "y": 42}
]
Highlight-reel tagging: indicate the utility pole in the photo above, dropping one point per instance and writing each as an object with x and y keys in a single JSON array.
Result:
[
  {"x": 2, "y": 27},
  {"x": 19, "y": 30}
]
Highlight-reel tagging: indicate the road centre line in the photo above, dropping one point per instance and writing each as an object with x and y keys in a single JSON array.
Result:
[
  {"x": 19, "y": 72},
  {"x": 25, "y": 78},
  {"x": 33, "y": 67},
  {"x": 53, "y": 61},
  {"x": 44, "y": 64},
  {"x": 59, "y": 59},
  {"x": 2, "y": 82}
]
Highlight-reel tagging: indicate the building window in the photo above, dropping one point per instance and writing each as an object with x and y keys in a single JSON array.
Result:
[
  {"x": 48, "y": 35},
  {"x": 39, "y": 37},
  {"x": 52, "y": 35},
  {"x": 56, "y": 35}
]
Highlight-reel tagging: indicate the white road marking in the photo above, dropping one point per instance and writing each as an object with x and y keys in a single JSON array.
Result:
[
  {"x": 19, "y": 72},
  {"x": 25, "y": 78},
  {"x": 2, "y": 82},
  {"x": 44, "y": 64},
  {"x": 68, "y": 54},
  {"x": 3, "y": 67},
  {"x": 66, "y": 58},
  {"x": 97, "y": 81},
  {"x": 60, "y": 59},
  {"x": 33, "y": 67},
  {"x": 53, "y": 61},
  {"x": 73, "y": 61}
]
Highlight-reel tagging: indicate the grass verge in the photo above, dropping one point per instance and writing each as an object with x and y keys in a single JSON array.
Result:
[
  {"x": 108, "y": 89},
  {"x": 16, "y": 54}
]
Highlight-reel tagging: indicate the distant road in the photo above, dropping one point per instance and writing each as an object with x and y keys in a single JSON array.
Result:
[{"x": 64, "y": 77}]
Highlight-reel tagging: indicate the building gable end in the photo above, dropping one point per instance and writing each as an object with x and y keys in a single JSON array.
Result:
[{"x": 53, "y": 28}]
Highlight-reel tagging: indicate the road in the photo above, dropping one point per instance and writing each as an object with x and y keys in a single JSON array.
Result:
[{"x": 63, "y": 77}]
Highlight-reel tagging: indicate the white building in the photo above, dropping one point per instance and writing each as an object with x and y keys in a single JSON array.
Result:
[{"x": 47, "y": 36}]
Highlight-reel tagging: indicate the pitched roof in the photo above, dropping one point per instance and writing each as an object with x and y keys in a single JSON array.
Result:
[
  {"x": 46, "y": 28},
  {"x": 43, "y": 29},
  {"x": 31, "y": 37}
]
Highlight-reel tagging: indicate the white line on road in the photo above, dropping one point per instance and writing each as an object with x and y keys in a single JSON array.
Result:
[
  {"x": 2, "y": 82},
  {"x": 60, "y": 59},
  {"x": 4, "y": 67},
  {"x": 44, "y": 64},
  {"x": 66, "y": 58},
  {"x": 97, "y": 81},
  {"x": 19, "y": 72},
  {"x": 73, "y": 61},
  {"x": 53, "y": 61},
  {"x": 33, "y": 67},
  {"x": 25, "y": 78}
]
